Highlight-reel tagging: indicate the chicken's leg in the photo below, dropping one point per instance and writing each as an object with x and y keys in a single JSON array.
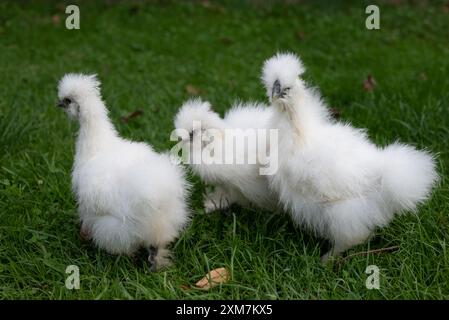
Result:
[
  {"x": 158, "y": 257},
  {"x": 85, "y": 233},
  {"x": 218, "y": 199}
]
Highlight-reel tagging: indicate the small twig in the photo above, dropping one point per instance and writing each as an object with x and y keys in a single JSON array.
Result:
[
  {"x": 132, "y": 115},
  {"x": 376, "y": 251}
]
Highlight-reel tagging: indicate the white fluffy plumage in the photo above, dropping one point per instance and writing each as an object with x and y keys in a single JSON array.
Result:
[
  {"x": 233, "y": 183},
  {"x": 331, "y": 178},
  {"x": 128, "y": 195}
]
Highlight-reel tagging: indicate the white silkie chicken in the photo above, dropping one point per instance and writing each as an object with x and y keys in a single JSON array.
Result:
[
  {"x": 128, "y": 195},
  {"x": 233, "y": 183},
  {"x": 331, "y": 178}
]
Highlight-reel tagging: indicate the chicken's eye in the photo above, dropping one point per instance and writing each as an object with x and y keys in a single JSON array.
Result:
[{"x": 67, "y": 101}]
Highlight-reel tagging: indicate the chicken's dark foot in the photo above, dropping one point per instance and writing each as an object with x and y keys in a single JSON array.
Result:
[{"x": 152, "y": 253}]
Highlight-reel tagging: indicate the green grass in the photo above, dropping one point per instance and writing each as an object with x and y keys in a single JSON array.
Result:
[{"x": 145, "y": 55}]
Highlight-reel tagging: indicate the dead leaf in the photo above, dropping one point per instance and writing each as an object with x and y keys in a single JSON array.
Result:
[
  {"x": 213, "y": 6},
  {"x": 135, "y": 9},
  {"x": 300, "y": 35},
  {"x": 423, "y": 76},
  {"x": 446, "y": 7},
  {"x": 369, "y": 83},
  {"x": 206, "y": 4},
  {"x": 61, "y": 7},
  {"x": 226, "y": 40},
  {"x": 396, "y": 2},
  {"x": 213, "y": 278},
  {"x": 132, "y": 115},
  {"x": 56, "y": 19},
  {"x": 192, "y": 90}
]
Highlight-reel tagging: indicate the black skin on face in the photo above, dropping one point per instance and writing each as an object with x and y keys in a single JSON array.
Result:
[
  {"x": 64, "y": 103},
  {"x": 277, "y": 91}
]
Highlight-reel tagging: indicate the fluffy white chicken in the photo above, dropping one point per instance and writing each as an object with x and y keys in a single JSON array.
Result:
[
  {"x": 233, "y": 183},
  {"x": 128, "y": 195},
  {"x": 331, "y": 178}
]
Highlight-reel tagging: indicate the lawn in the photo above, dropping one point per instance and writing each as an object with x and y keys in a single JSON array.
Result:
[{"x": 147, "y": 55}]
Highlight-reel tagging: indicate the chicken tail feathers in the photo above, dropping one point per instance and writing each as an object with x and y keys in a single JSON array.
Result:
[{"x": 408, "y": 176}]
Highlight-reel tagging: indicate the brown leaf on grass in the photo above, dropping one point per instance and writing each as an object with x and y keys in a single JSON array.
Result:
[
  {"x": 56, "y": 19},
  {"x": 446, "y": 7},
  {"x": 226, "y": 40},
  {"x": 206, "y": 4},
  {"x": 213, "y": 278},
  {"x": 192, "y": 90},
  {"x": 61, "y": 7},
  {"x": 213, "y": 6},
  {"x": 369, "y": 83},
  {"x": 423, "y": 76},
  {"x": 300, "y": 35},
  {"x": 132, "y": 115},
  {"x": 134, "y": 10}
]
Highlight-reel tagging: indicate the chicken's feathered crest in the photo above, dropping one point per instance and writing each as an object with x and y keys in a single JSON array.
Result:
[
  {"x": 197, "y": 110},
  {"x": 79, "y": 86},
  {"x": 284, "y": 67}
]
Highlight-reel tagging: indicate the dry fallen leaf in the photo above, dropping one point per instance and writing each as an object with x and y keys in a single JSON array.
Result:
[
  {"x": 56, "y": 19},
  {"x": 369, "y": 83},
  {"x": 300, "y": 35},
  {"x": 192, "y": 90},
  {"x": 396, "y": 2},
  {"x": 226, "y": 40},
  {"x": 213, "y": 6},
  {"x": 213, "y": 278},
  {"x": 446, "y": 7},
  {"x": 206, "y": 4},
  {"x": 135, "y": 9},
  {"x": 132, "y": 115}
]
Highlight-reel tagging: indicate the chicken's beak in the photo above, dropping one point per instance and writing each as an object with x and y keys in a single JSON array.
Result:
[
  {"x": 276, "y": 91},
  {"x": 60, "y": 104}
]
